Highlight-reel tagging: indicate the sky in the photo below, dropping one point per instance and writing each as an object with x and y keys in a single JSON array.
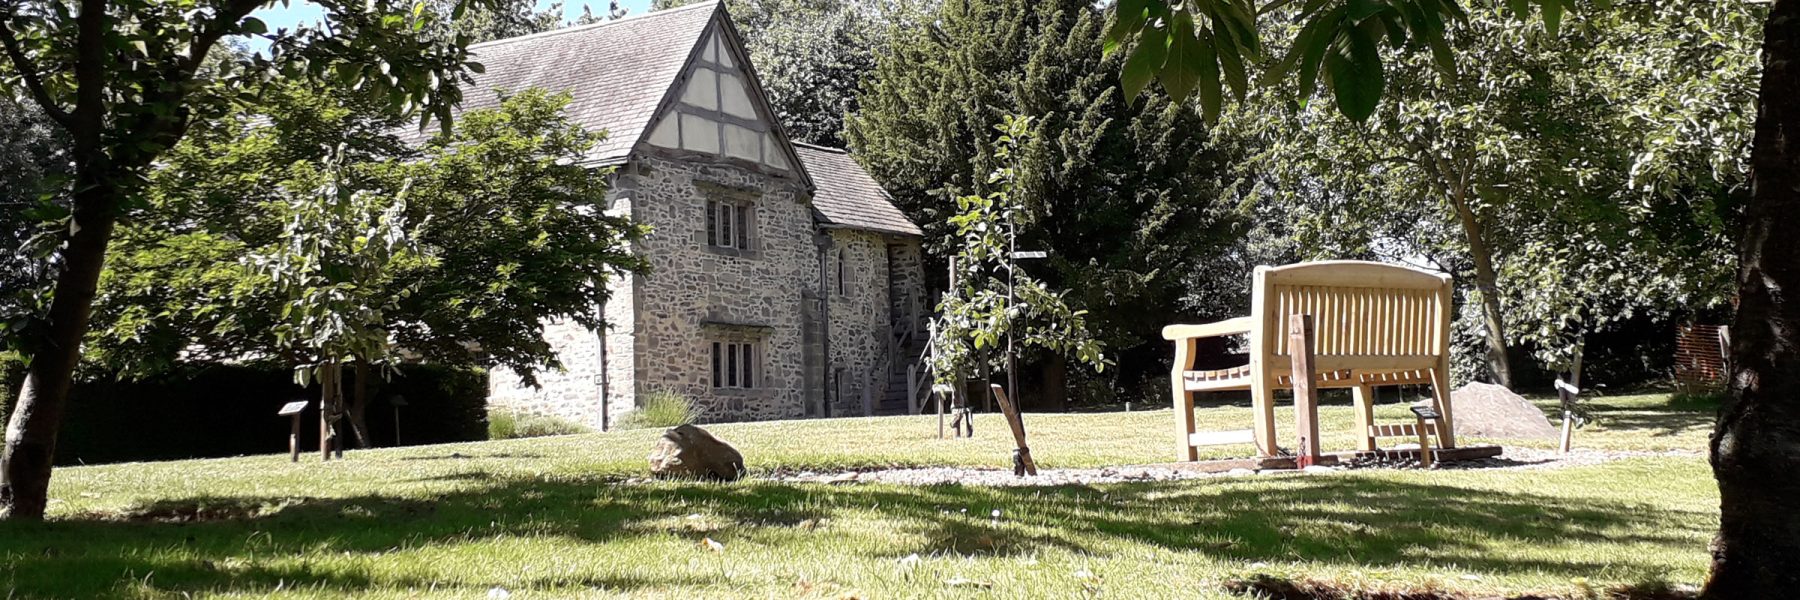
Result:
[{"x": 301, "y": 11}]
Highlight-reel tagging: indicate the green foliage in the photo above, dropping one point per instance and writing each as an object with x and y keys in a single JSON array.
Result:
[
  {"x": 504, "y": 19},
  {"x": 993, "y": 298},
  {"x": 33, "y": 171},
  {"x": 1134, "y": 203},
  {"x": 456, "y": 252},
  {"x": 509, "y": 425},
  {"x": 333, "y": 269},
  {"x": 12, "y": 375},
  {"x": 1557, "y": 174},
  {"x": 663, "y": 409},
  {"x": 1196, "y": 45}
]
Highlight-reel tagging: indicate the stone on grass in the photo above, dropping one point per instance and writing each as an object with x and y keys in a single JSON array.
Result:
[
  {"x": 689, "y": 452},
  {"x": 1492, "y": 411}
]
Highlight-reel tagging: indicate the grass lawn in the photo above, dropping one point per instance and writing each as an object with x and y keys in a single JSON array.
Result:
[{"x": 552, "y": 518}]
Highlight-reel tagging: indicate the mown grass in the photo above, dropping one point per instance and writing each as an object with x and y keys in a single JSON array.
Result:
[{"x": 552, "y": 518}]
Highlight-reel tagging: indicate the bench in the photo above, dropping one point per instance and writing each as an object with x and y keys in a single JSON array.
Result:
[{"x": 1375, "y": 325}]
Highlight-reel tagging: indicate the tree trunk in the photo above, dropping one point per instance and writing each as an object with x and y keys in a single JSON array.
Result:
[
  {"x": 359, "y": 404},
  {"x": 1487, "y": 282},
  {"x": 1756, "y": 446},
  {"x": 38, "y": 413}
]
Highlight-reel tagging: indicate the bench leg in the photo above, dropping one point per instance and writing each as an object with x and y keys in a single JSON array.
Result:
[
  {"x": 1364, "y": 397},
  {"x": 1183, "y": 400},
  {"x": 1262, "y": 406},
  {"x": 1440, "y": 394}
]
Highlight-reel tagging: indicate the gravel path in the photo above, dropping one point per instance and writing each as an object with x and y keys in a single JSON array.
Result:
[{"x": 1515, "y": 458}]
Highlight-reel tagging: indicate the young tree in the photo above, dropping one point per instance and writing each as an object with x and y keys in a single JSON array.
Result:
[
  {"x": 1126, "y": 206},
  {"x": 123, "y": 79},
  {"x": 994, "y": 303},
  {"x": 1755, "y": 446}
]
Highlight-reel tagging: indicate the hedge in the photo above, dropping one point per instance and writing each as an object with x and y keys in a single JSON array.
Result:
[{"x": 219, "y": 410}]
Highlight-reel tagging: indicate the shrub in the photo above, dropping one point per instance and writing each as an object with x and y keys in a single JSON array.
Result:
[
  {"x": 507, "y": 425},
  {"x": 662, "y": 409}
]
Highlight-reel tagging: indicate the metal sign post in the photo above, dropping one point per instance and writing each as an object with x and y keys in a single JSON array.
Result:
[
  {"x": 293, "y": 409},
  {"x": 1567, "y": 393},
  {"x": 397, "y": 401}
]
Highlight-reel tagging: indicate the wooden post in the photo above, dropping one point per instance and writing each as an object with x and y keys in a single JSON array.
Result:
[
  {"x": 938, "y": 395},
  {"x": 1425, "y": 443},
  {"x": 912, "y": 389},
  {"x": 1306, "y": 393},
  {"x": 1022, "y": 462}
]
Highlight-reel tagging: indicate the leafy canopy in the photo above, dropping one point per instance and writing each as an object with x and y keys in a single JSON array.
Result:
[{"x": 455, "y": 252}]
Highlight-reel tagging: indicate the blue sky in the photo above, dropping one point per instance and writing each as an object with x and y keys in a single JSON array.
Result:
[{"x": 301, "y": 11}]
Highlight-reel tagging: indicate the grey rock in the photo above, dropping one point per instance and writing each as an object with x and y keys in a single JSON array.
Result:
[
  {"x": 689, "y": 452},
  {"x": 1492, "y": 411}
]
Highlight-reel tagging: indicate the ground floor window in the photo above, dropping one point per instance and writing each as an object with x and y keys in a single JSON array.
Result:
[{"x": 735, "y": 364}]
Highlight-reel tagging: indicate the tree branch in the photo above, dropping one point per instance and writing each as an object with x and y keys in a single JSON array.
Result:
[
  {"x": 29, "y": 73},
  {"x": 222, "y": 23}
]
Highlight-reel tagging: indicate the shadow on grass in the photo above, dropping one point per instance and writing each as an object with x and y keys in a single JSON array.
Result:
[{"x": 258, "y": 544}]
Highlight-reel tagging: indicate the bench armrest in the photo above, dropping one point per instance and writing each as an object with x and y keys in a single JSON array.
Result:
[{"x": 1221, "y": 328}]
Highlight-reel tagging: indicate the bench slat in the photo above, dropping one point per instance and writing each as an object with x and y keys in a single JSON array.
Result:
[
  {"x": 1220, "y": 438},
  {"x": 1406, "y": 430}
]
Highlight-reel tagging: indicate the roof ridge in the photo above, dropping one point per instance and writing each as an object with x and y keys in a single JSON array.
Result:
[
  {"x": 820, "y": 147},
  {"x": 590, "y": 26}
]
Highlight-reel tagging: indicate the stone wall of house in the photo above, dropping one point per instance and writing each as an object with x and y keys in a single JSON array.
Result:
[
  {"x": 695, "y": 294},
  {"x": 662, "y": 324},
  {"x": 906, "y": 288},
  {"x": 861, "y": 324},
  {"x": 572, "y": 393},
  {"x": 620, "y": 349}
]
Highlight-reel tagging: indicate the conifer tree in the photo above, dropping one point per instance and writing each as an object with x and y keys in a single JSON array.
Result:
[{"x": 1127, "y": 198}]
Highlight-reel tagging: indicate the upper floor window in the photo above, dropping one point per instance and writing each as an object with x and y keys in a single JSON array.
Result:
[
  {"x": 730, "y": 224},
  {"x": 843, "y": 289}
]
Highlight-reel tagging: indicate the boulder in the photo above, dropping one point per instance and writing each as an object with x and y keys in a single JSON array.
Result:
[
  {"x": 689, "y": 452},
  {"x": 1492, "y": 411}
]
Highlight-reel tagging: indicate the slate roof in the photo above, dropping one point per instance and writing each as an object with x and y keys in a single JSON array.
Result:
[
  {"x": 847, "y": 196},
  {"x": 616, "y": 72}
]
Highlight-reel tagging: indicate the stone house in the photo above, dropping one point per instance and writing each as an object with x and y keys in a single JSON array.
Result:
[{"x": 784, "y": 283}]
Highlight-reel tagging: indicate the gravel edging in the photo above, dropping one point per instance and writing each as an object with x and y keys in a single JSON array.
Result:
[{"x": 1513, "y": 459}]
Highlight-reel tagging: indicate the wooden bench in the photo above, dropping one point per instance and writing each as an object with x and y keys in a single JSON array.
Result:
[{"x": 1375, "y": 325}]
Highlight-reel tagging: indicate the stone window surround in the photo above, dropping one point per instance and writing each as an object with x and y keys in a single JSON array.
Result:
[{"x": 722, "y": 332}]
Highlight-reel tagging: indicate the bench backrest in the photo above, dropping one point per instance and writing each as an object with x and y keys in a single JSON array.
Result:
[{"x": 1360, "y": 309}]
